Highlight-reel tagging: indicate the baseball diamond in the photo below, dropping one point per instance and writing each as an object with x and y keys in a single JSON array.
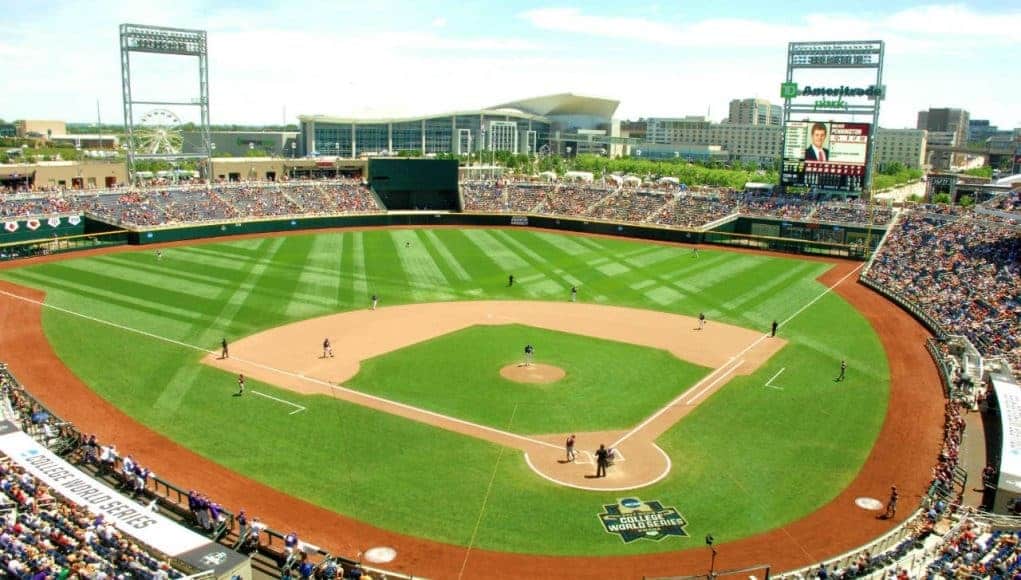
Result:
[{"x": 462, "y": 480}]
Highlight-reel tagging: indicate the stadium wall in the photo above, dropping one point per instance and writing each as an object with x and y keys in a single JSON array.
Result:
[{"x": 720, "y": 237}]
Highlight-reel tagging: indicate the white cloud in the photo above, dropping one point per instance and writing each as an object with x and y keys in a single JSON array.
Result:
[{"x": 439, "y": 22}]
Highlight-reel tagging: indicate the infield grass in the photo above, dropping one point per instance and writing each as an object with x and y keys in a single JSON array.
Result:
[
  {"x": 609, "y": 385},
  {"x": 746, "y": 460}
]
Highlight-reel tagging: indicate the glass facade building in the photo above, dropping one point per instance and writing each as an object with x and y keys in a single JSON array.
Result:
[{"x": 524, "y": 127}]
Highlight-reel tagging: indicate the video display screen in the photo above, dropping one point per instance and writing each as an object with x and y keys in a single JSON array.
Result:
[{"x": 825, "y": 155}]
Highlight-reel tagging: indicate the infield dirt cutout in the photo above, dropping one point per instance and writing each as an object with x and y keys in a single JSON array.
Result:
[{"x": 290, "y": 357}]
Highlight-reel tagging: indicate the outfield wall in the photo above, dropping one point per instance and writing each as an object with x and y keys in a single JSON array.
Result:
[{"x": 735, "y": 237}]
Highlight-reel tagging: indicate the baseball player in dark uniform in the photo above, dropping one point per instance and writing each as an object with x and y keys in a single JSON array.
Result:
[
  {"x": 891, "y": 504},
  {"x": 772, "y": 332},
  {"x": 223, "y": 349},
  {"x": 843, "y": 370},
  {"x": 510, "y": 280},
  {"x": 602, "y": 461}
]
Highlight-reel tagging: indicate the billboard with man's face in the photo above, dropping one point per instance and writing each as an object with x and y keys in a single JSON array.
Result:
[{"x": 825, "y": 155}]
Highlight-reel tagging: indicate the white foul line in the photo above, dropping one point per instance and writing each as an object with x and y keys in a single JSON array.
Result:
[
  {"x": 279, "y": 371},
  {"x": 677, "y": 401},
  {"x": 754, "y": 343},
  {"x": 299, "y": 407},
  {"x": 770, "y": 381}
]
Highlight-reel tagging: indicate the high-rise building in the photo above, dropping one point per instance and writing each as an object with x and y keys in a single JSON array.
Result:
[
  {"x": 754, "y": 112},
  {"x": 947, "y": 128},
  {"x": 905, "y": 146}
]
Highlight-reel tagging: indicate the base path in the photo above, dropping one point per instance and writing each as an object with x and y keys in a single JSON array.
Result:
[
  {"x": 905, "y": 452},
  {"x": 291, "y": 357}
]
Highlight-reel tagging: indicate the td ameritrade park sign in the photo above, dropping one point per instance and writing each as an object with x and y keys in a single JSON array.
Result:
[{"x": 828, "y": 98}]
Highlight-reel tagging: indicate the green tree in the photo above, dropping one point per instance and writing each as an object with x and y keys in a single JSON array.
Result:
[
  {"x": 941, "y": 198},
  {"x": 966, "y": 201}
]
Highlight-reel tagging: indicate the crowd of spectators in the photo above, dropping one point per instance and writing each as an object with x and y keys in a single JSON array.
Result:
[
  {"x": 789, "y": 208},
  {"x": 853, "y": 212},
  {"x": 662, "y": 203},
  {"x": 46, "y": 537},
  {"x": 964, "y": 272},
  {"x": 692, "y": 211},
  {"x": 190, "y": 204}
]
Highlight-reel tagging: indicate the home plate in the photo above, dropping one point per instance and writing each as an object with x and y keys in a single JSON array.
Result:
[{"x": 869, "y": 503}]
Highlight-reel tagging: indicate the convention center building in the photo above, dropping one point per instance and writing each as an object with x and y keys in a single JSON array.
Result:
[{"x": 563, "y": 124}]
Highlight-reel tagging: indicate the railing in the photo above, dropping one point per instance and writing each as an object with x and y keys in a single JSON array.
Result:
[
  {"x": 175, "y": 498},
  {"x": 933, "y": 326}
]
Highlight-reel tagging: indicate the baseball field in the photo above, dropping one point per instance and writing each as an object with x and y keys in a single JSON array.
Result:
[{"x": 422, "y": 436}]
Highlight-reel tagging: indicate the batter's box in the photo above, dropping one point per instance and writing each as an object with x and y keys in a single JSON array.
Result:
[{"x": 584, "y": 457}]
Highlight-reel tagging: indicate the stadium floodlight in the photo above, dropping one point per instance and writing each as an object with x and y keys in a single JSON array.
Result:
[{"x": 156, "y": 135}]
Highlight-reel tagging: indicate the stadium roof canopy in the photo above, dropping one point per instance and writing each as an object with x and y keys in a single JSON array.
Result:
[
  {"x": 564, "y": 104},
  {"x": 536, "y": 108}
]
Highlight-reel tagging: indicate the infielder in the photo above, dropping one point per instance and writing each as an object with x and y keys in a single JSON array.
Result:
[
  {"x": 574, "y": 293},
  {"x": 529, "y": 350},
  {"x": 701, "y": 320},
  {"x": 241, "y": 385},
  {"x": 569, "y": 447},
  {"x": 327, "y": 348},
  {"x": 375, "y": 301},
  {"x": 223, "y": 348}
]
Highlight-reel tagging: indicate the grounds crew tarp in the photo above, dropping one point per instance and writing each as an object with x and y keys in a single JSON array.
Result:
[{"x": 131, "y": 518}]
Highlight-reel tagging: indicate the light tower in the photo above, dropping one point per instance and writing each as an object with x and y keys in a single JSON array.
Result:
[{"x": 142, "y": 136}]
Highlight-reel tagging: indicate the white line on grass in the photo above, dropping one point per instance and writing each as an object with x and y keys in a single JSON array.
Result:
[
  {"x": 677, "y": 401},
  {"x": 754, "y": 343},
  {"x": 770, "y": 384},
  {"x": 280, "y": 371},
  {"x": 298, "y": 408},
  {"x": 485, "y": 499}
]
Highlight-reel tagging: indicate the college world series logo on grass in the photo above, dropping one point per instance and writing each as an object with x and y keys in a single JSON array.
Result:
[{"x": 633, "y": 519}]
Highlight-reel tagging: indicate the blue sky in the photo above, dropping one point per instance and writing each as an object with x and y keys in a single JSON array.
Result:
[{"x": 394, "y": 57}]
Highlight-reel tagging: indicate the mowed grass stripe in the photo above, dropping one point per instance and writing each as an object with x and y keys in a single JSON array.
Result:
[
  {"x": 426, "y": 281},
  {"x": 319, "y": 280},
  {"x": 359, "y": 277},
  {"x": 106, "y": 304},
  {"x": 440, "y": 249}
]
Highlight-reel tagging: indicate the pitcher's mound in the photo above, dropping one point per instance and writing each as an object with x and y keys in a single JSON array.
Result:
[{"x": 533, "y": 373}]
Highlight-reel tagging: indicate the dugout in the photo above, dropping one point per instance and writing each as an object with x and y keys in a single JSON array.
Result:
[{"x": 415, "y": 184}]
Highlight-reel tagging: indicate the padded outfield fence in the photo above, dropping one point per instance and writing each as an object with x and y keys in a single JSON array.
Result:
[{"x": 725, "y": 235}]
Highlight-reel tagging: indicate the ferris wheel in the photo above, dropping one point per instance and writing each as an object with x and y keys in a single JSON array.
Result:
[{"x": 158, "y": 133}]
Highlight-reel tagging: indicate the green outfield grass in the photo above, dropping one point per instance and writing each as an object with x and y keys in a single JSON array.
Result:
[
  {"x": 747, "y": 460},
  {"x": 609, "y": 385}
]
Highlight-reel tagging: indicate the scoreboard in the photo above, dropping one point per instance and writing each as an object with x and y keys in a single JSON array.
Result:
[{"x": 825, "y": 155}]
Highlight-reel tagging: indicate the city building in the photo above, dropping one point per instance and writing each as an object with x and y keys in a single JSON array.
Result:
[
  {"x": 948, "y": 129},
  {"x": 905, "y": 146},
  {"x": 754, "y": 112},
  {"x": 243, "y": 143},
  {"x": 753, "y": 143},
  {"x": 8, "y": 130},
  {"x": 40, "y": 129},
  {"x": 563, "y": 123},
  {"x": 86, "y": 141}
]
